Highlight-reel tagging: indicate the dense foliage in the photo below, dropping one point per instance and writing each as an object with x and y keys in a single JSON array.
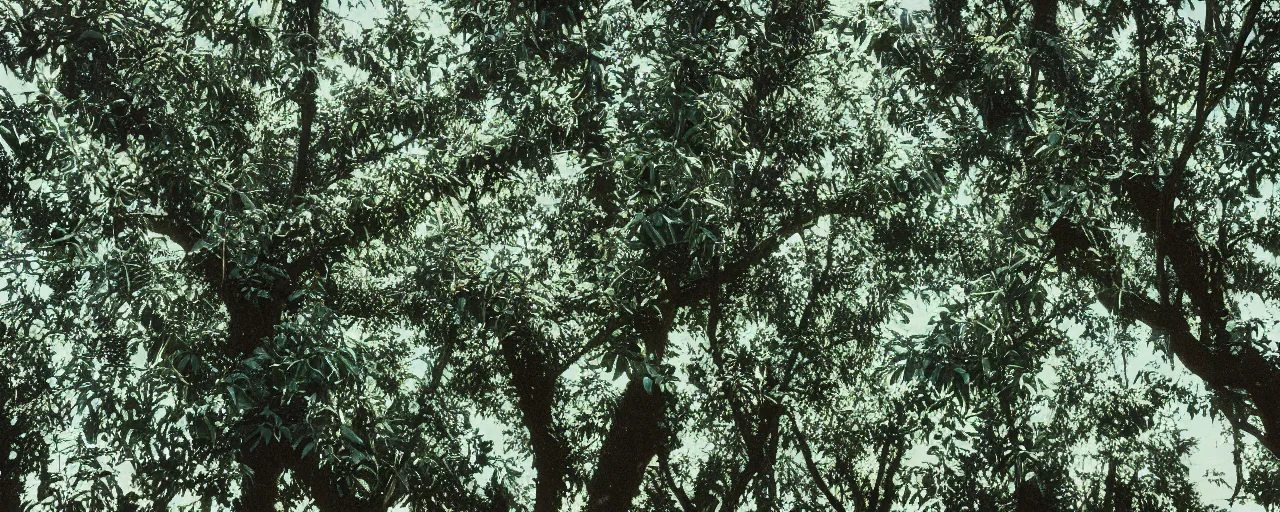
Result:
[{"x": 646, "y": 255}]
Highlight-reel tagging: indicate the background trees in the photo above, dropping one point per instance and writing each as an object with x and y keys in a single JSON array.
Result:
[
  {"x": 631, "y": 255},
  {"x": 1125, "y": 142},
  {"x": 193, "y": 188}
]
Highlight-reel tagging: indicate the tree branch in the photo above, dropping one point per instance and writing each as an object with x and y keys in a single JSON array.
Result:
[
  {"x": 745, "y": 429},
  {"x": 803, "y": 442},
  {"x": 1206, "y": 103},
  {"x": 806, "y": 318},
  {"x": 208, "y": 266},
  {"x": 702, "y": 288},
  {"x": 180, "y": 233},
  {"x": 664, "y": 467},
  {"x": 1213, "y": 356},
  {"x": 346, "y": 168},
  {"x": 308, "y": 50}
]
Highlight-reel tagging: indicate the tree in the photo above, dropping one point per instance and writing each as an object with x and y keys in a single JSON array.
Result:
[
  {"x": 628, "y": 212},
  {"x": 186, "y": 173},
  {"x": 27, "y": 403},
  {"x": 1123, "y": 144},
  {"x": 602, "y": 255}
]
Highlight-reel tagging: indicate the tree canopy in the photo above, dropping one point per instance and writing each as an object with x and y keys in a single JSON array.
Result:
[{"x": 547, "y": 255}]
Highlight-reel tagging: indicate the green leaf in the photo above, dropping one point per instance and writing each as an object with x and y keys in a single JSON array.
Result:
[
  {"x": 351, "y": 435},
  {"x": 248, "y": 203}
]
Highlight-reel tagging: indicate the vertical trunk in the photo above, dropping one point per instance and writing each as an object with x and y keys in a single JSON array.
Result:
[
  {"x": 11, "y": 489},
  {"x": 636, "y": 434},
  {"x": 1123, "y": 496},
  {"x": 766, "y": 482},
  {"x": 882, "y": 463},
  {"x": 11, "y": 486},
  {"x": 1110, "y": 498},
  {"x": 260, "y": 490},
  {"x": 1269, "y": 412},
  {"x": 1028, "y": 498},
  {"x": 949, "y": 15},
  {"x": 327, "y": 493},
  {"x": 633, "y": 441},
  {"x": 249, "y": 324},
  {"x": 306, "y": 48},
  {"x": 535, "y": 387},
  {"x": 1045, "y": 16}
]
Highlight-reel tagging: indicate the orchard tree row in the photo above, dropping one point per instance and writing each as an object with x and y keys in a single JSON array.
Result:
[{"x": 600, "y": 255}]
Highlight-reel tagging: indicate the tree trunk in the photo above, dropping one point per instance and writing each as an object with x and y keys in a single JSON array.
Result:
[
  {"x": 260, "y": 490},
  {"x": 636, "y": 434},
  {"x": 326, "y": 491},
  {"x": 248, "y": 322},
  {"x": 1028, "y": 498},
  {"x": 11, "y": 490},
  {"x": 11, "y": 485},
  {"x": 535, "y": 386},
  {"x": 633, "y": 441},
  {"x": 766, "y": 480},
  {"x": 247, "y": 326}
]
